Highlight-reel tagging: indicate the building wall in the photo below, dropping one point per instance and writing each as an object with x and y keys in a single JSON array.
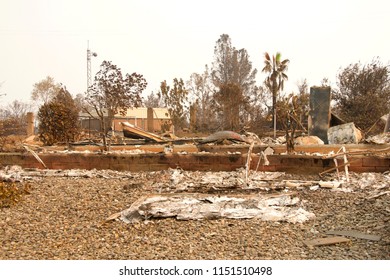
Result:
[
  {"x": 158, "y": 124},
  {"x": 192, "y": 161},
  {"x": 135, "y": 116},
  {"x": 91, "y": 124}
]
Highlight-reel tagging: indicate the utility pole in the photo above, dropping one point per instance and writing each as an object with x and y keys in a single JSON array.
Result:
[{"x": 89, "y": 74}]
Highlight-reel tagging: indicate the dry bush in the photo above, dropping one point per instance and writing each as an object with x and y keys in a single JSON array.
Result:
[
  {"x": 59, "y": 120},
  {"x": 11, "y": 143}
]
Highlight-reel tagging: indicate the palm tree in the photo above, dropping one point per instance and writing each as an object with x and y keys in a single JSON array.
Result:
[{"x": 276, "y": 69}]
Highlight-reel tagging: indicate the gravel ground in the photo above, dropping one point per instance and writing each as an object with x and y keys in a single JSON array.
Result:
[{"x": 64, "y": 218}]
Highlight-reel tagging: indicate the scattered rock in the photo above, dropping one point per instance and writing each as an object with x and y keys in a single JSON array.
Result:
[
  {"x": 344, "y": 134},
  {"x": 63, "y": 217},
  {"x": 383, "y": 138},
  {"x": 308, "y": 140}
]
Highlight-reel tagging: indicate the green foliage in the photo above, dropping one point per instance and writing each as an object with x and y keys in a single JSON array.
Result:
[
  {"x": 176, "y": 99},
  {"x": 275, "y": 68},
  {"x": 363, "y": 93},
  {"x": 58, "y": 119},
  {"x": 11, "y": 193}
]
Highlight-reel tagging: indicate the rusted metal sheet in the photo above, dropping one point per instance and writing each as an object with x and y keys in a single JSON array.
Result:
[
  {"x": 198, "y": 206},
  {"x": 357, "y": 234},
  {"x": 223, "y": 135},
  {"x": 326, "y": 241},
  {"x": 131, "y": 131}
]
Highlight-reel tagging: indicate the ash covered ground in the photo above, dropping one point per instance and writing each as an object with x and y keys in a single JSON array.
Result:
[{"x": 64, "y": 216}]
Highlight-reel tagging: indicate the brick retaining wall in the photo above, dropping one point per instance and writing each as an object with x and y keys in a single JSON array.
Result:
[{"x": 191, "y": 161}]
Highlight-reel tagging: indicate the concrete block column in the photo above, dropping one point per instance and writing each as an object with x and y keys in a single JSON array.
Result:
[
  {"x": 150, "y": 120},
  {"x": 30, "y": 123},
  {"x": 319, "y": 115}
]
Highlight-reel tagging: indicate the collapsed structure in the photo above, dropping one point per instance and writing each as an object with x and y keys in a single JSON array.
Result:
[
  {"x": 326, "y": 125},
  {"x": 223, "y": 151}
]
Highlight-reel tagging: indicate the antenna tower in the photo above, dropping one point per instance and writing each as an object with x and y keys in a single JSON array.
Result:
[{"x": 89, "y": 74}]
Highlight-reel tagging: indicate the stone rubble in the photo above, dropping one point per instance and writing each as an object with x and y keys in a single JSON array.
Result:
[{"x": 65, "y": 216}]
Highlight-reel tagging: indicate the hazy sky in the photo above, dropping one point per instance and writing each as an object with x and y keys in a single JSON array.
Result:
[{"x": 166, "y": 39}]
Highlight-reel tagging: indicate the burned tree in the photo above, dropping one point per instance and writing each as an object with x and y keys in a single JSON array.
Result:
[
  {"x": 175, "y": 98},
  {"x": 232, "y": 74},
  {"x": 363, "y": 93},
  {"x": 45, "y": 90},
  {"x": 290, "y": 110},
  {"x": 58, "y": 119},
  {"x": 201, "y": 95},
  {"x": 112, "y": 93},
  {"x": 228, "y": 99},
  {"x": 13, "y": 118}
]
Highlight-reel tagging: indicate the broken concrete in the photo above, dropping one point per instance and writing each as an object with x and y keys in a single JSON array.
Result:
[
  {"x": 382, "y": 138},
  {"x": 375, "y": 185},
  {"x": 308, "y": 140},
  {"x": 344, "y": 134}
]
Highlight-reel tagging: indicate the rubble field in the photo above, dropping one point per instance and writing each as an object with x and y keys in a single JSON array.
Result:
[{"x": 80, "y": 214}]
